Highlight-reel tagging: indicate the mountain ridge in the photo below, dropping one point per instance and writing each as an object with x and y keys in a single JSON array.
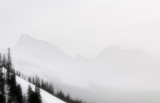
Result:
[{"x": 116, "y": 67}]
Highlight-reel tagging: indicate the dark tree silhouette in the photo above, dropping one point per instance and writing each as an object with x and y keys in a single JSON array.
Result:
[
  {"x": 19, "y": 94},
  {"x": 12, "y": 89},
  {"x": 9, "y": 66},
  {"x": 30, "y": 95},
  {"x": 2, "y": 83}
]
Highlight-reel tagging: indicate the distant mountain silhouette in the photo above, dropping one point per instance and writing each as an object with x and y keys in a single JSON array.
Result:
[
  {"x": 114, "y": 69},
  {"x": 39, "y": 48}
]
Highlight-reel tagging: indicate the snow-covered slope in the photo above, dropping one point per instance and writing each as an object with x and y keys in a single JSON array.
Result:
[
  {"x": 46, "y": 97},
  {"x": 116, "y": 73}
]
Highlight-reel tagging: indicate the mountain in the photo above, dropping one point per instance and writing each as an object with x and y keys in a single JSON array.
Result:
[
  {"x": 37, "y": 57},
  {"x": 30, "y": 46},
  {"x": 34, "y": 56},
  {"x": 116, "y": 74}
]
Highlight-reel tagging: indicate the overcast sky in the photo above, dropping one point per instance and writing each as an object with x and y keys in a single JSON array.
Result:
[{"x": 83, "y": 27}]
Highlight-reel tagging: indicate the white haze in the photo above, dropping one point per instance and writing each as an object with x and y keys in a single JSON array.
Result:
[
  {"x": 119, "y": 37},
  {"x": 83, "y": 27},
  {"x": 116, "y": 76}
]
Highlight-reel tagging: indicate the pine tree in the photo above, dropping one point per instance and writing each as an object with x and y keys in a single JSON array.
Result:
[
  {"x": 42, "y": 84},
  {"x": 37, "y": 91},
  {"x": 9, "y": 59},
  {"x": 2, "y": 84},
  {"x": 9, "y": 66},
  {"x": 30, "y": 95},
  {"x": 0, "y": 60},
  {"x": 52, "y": 89},
  {"x": 19, "y": 94},
  {"x": 4, "y": 60},
  {"x": 10, "y": 79},
  {"x": 33, "y": 81},
  {"x": 29, "y": 80},
  {"x": 12, "y": 88}
]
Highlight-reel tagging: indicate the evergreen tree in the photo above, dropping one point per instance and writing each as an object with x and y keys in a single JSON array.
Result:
[
  {"x": 10, "y": 79},
  {"x": 37, "y": 91},
  {"x": 37, "y": 95},
  {"x": 42, "y": 84},
  {"x": 12, "y": 88},
  {"x": 9, "y": 59},
  {"x": 30, "y": 95},
  {"x": 0, "y": 60},
  {"x": 29, "y": 80},
  {"x": 52, "y": 89},
  {"x": 9, "y": 66},
  {"x": 4, "y": 60},
  {"x": 33, "y": 81},
  {"x": 2, "y": 84},
  {"x": 19, "y": 94}
]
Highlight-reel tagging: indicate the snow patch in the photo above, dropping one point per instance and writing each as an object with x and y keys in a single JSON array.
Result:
[{"x": 46, "y": 97}]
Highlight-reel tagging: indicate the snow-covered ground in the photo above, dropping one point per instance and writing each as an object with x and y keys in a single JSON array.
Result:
[
  {"x": 117, "y": 75},
  {"x": 46, "y": 97}
]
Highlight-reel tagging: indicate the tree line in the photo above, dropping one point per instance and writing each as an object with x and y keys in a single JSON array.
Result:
[
  {"x": 10, "y": 90},
  {"x": 49, "y": 87}
]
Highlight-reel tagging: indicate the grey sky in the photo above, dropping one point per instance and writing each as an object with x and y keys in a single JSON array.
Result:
[{"x": 83, "y": 27}]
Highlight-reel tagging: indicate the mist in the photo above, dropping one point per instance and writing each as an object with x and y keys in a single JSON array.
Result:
[
  {"x": 83, "y": 27},
  {"x": 116, "y": 75},
  {"x": 102, "y": 51}
]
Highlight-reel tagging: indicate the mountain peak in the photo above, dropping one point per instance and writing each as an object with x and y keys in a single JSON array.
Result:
[
  {"x": 25, "y": 37},
  {"x": 25, "y": 40},
  {"x": 39, "y": 48}
]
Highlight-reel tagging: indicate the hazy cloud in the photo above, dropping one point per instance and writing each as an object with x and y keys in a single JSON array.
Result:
[{"x": 85, "y": 27}]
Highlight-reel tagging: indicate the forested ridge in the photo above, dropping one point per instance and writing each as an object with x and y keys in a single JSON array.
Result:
[{"x": 11, "y": 91}]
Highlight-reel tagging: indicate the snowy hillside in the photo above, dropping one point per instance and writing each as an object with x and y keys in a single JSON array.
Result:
[
  {"x": 46, "y": 97},
  {"x": 116, "y": 73}
]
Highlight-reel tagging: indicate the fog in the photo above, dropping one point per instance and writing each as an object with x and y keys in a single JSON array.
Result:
[
  {"x": 116, "y": 75},
  {"x": 98, "y": 50},
  {"x": 83, "y": 27}
]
